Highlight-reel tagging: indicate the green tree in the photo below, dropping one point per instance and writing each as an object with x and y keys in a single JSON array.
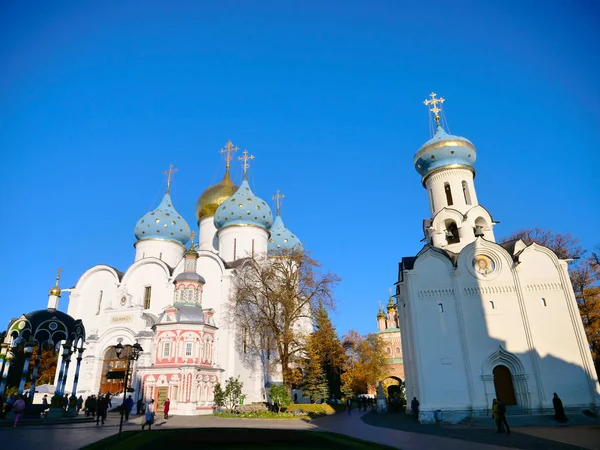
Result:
[
  {"x": 229, "y": 397},
  {"x": 314, "y": 382},
  {"x": 280, "y": 396},
  {"x": 330, "y": 350}
]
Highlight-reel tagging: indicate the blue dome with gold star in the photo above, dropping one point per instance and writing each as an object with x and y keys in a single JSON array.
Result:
[
  {"x": 163, "y": 223},
  {"x": 244, "y": 208},
  {"x": 282, "y": 238},
  {"x": 444, "y": 150}
]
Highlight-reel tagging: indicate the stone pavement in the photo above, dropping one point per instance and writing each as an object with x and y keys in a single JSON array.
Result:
[{"x": 75, "y": 436}]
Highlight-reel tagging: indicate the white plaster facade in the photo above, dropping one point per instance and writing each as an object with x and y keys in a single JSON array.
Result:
[
  {"x": 469, "y": 305},
  {"x": 114, "y": 306}
]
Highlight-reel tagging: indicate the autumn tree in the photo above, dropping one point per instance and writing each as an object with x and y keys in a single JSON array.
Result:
[
  {"x": 366, "y": 362},
  {"x": 584, "y": 273},
  {"x": 273, "y": 303}
]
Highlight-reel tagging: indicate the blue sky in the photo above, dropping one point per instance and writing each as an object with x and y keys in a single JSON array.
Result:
[{"x": 97, "y": 99}]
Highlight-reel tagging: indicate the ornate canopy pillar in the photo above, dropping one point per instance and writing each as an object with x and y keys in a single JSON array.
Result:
[
  {"x": 80, "y": 351},
  {"x": 28, "y": 351}
]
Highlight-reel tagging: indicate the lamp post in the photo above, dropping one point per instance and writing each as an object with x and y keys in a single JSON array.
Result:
[{"x": 136, "y": 351}]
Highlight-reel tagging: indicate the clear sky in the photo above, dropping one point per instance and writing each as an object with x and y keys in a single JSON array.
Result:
[{"x": 98, "y": 98}]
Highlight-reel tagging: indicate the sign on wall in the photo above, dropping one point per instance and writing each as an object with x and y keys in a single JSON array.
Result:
[{"x": 121, "y": 319}]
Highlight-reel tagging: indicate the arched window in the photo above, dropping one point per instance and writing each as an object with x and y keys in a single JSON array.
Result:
[
  {"x": 431, "y": 199},
  {"x": 544, "y": 302},
  {"x": 480, "y": 227},
  {"x": 466, "y": 192},
  {"x": 452, "y": 232},
  {"x": 234, "y": 248},
  {"x": 448, "y": 194},
  {"x": 492, "y": 305},
  {"x": 441, "y": 307}
]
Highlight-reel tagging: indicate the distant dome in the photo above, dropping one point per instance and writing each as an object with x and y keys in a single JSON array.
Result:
[
  {"x": 214, "y": 196},
  {"x": 47, "y": 325},
  {"x": 190, "y": 276},
  {"x": 444, "y": 150},
  {"x": 282, "y": 238},
  {"x": 163, "y": 223},
  {"x": 244, "y": 208}
]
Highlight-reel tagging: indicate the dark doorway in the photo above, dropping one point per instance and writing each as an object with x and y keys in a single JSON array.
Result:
[
  {"x": 113, "y": 371},
  {"x": 503, "y": 383}
]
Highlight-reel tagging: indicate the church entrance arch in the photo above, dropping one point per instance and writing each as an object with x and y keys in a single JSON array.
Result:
[
  {"x": 504, "y": 386},
  {"x": 113, "y": 371}
]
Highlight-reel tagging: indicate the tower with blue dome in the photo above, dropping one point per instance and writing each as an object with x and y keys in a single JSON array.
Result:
[
  {"x": 446, "y": 166},
  {"x": 281, "y": 238},
  {"x": 243, "y": 221},
  {"x": 162, "y": 233}
]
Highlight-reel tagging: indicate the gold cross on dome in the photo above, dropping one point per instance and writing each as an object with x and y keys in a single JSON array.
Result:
[
  {"x": 277, "y": 197},
  {"x": 434, "y": 101},
  {"x": 192, "y": 237},
  {"x": 169, "y": 173},
  {"x": 58, "y": 272},
  {"x": 245, "y": 158},
  {"x": 229, "y": 147}
]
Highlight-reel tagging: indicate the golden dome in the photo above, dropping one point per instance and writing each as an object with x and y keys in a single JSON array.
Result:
[
  {"x": 55, "y": 291},
  {"x": 212, "y": 198}
]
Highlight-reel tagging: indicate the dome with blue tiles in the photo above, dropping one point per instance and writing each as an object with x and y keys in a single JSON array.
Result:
[
  {"x": 444, "y": 150},
  {"x": 244, "y": 208},
  {"x": 282, "y": 238},
  {"x": 163, "y": 223}
]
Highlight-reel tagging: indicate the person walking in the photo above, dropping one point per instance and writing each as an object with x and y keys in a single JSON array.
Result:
[
  {"x": 414, "y": 407},
  {"x": 559, "y": 409},
  {"x": 349, "y": 404},
  {"x": 19, "y": 409},
  {"x": 109, "y": 400},
  {"x": 102, "y": 410},
  {"x": 79, "y": 404},
  {"x": 502, "y": 416},
  {"x": 128, "y": 407},
  {"x": 496, "y": 417},
  {"x": 166, "y": 408},
  {"x": 149, "y": 415}
]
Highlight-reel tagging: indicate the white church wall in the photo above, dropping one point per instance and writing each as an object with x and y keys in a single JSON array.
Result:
[
  {"x": 149, "y": 272},
  {"x": 438, "y": 347},
  {"x": 167, "y": 251},
  {"x": 95, "y": 292},
  {"x": 237, "y": 242},
  {"x": 207, "y": 232},
  {"x": 435, "y": 185}
]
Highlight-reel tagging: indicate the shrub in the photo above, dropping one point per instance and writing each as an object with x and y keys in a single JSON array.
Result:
[
  {"x": 231, "y": 396},
  {"x": 252, "y": 408},
  {"x": 280, "y": 395},
  {"x": 314, "y": 410}
]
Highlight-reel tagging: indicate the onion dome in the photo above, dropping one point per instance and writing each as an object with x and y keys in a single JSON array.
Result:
[
  {"x": 55, "y": 291},
  {"x": 391, "y": 305},
  {"x": 244, "y": 209},
  {"x": 163, "y": 223},
  {"x": 282, "y": 238},
  {"x": 380, "y": 314},
  {"x": 444, "y": 150},
  {"x": 190, "y": 276},
  {"x": 214, "y": 196}
]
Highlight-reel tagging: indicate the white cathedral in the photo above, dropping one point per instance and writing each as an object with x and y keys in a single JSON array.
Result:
[
  {"x": 172, "y": 301},
  {"x": 480, "y": 319}
]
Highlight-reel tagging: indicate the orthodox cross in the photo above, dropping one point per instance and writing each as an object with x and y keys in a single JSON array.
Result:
[
  {"x": 434, "y": 101},
  {"x": 245, "y": 158},
  {"x": 169, "y": 173},
  {"x": 229, "y": 147},
  {"x": 277, "y": 197},
  {"x": 58, "y": 275},
  {"x": 192, "y": 236}
]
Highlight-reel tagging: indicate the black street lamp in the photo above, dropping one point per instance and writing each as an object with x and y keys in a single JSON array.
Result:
[{"x": 136, "y": 351}]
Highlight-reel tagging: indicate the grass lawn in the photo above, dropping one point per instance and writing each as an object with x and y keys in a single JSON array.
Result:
[{"x": 232, "y": 438}]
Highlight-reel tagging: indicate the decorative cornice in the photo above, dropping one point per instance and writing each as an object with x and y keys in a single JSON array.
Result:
[
  {"x": 430, "y": 293},
  {"x": 543, "y": 287},
  {"x": 489, "y": 290}
]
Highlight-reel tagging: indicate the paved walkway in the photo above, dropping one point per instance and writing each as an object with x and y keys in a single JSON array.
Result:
[{"x": 75, "y": 436}]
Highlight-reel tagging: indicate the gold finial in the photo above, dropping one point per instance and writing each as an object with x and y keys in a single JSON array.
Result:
[
  {"x": 229, "y": 147},
  {"x": 169, "y": 173},
  {"x": 277, "y": 197},
  {"x": 435, "y": 110},
  {"x": 56, "y": 290},
  {"x": 192, "y": 237},
  {"x": 245, "y": 164}
]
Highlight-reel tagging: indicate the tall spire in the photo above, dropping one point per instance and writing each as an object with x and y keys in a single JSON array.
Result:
[
  {"x": 435, "y": 110},
  {"x": 169, "y": 173},
  {"x": 278, "y": 197},
  {"x": 55, "y": 292},
  {"x": 229, "y": 147},
  {"x": 245, "y": 164}
]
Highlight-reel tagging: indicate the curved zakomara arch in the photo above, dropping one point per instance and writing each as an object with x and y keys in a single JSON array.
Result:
[
  {"x": 144, "y": 262},
  {"x": 466, "y": 255},
  {"x": 433, "y": 252},
  {"x": 533, "y": 247},
  {"x": 504, "y": 358},
  {"x": 99, "y": 268}
]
